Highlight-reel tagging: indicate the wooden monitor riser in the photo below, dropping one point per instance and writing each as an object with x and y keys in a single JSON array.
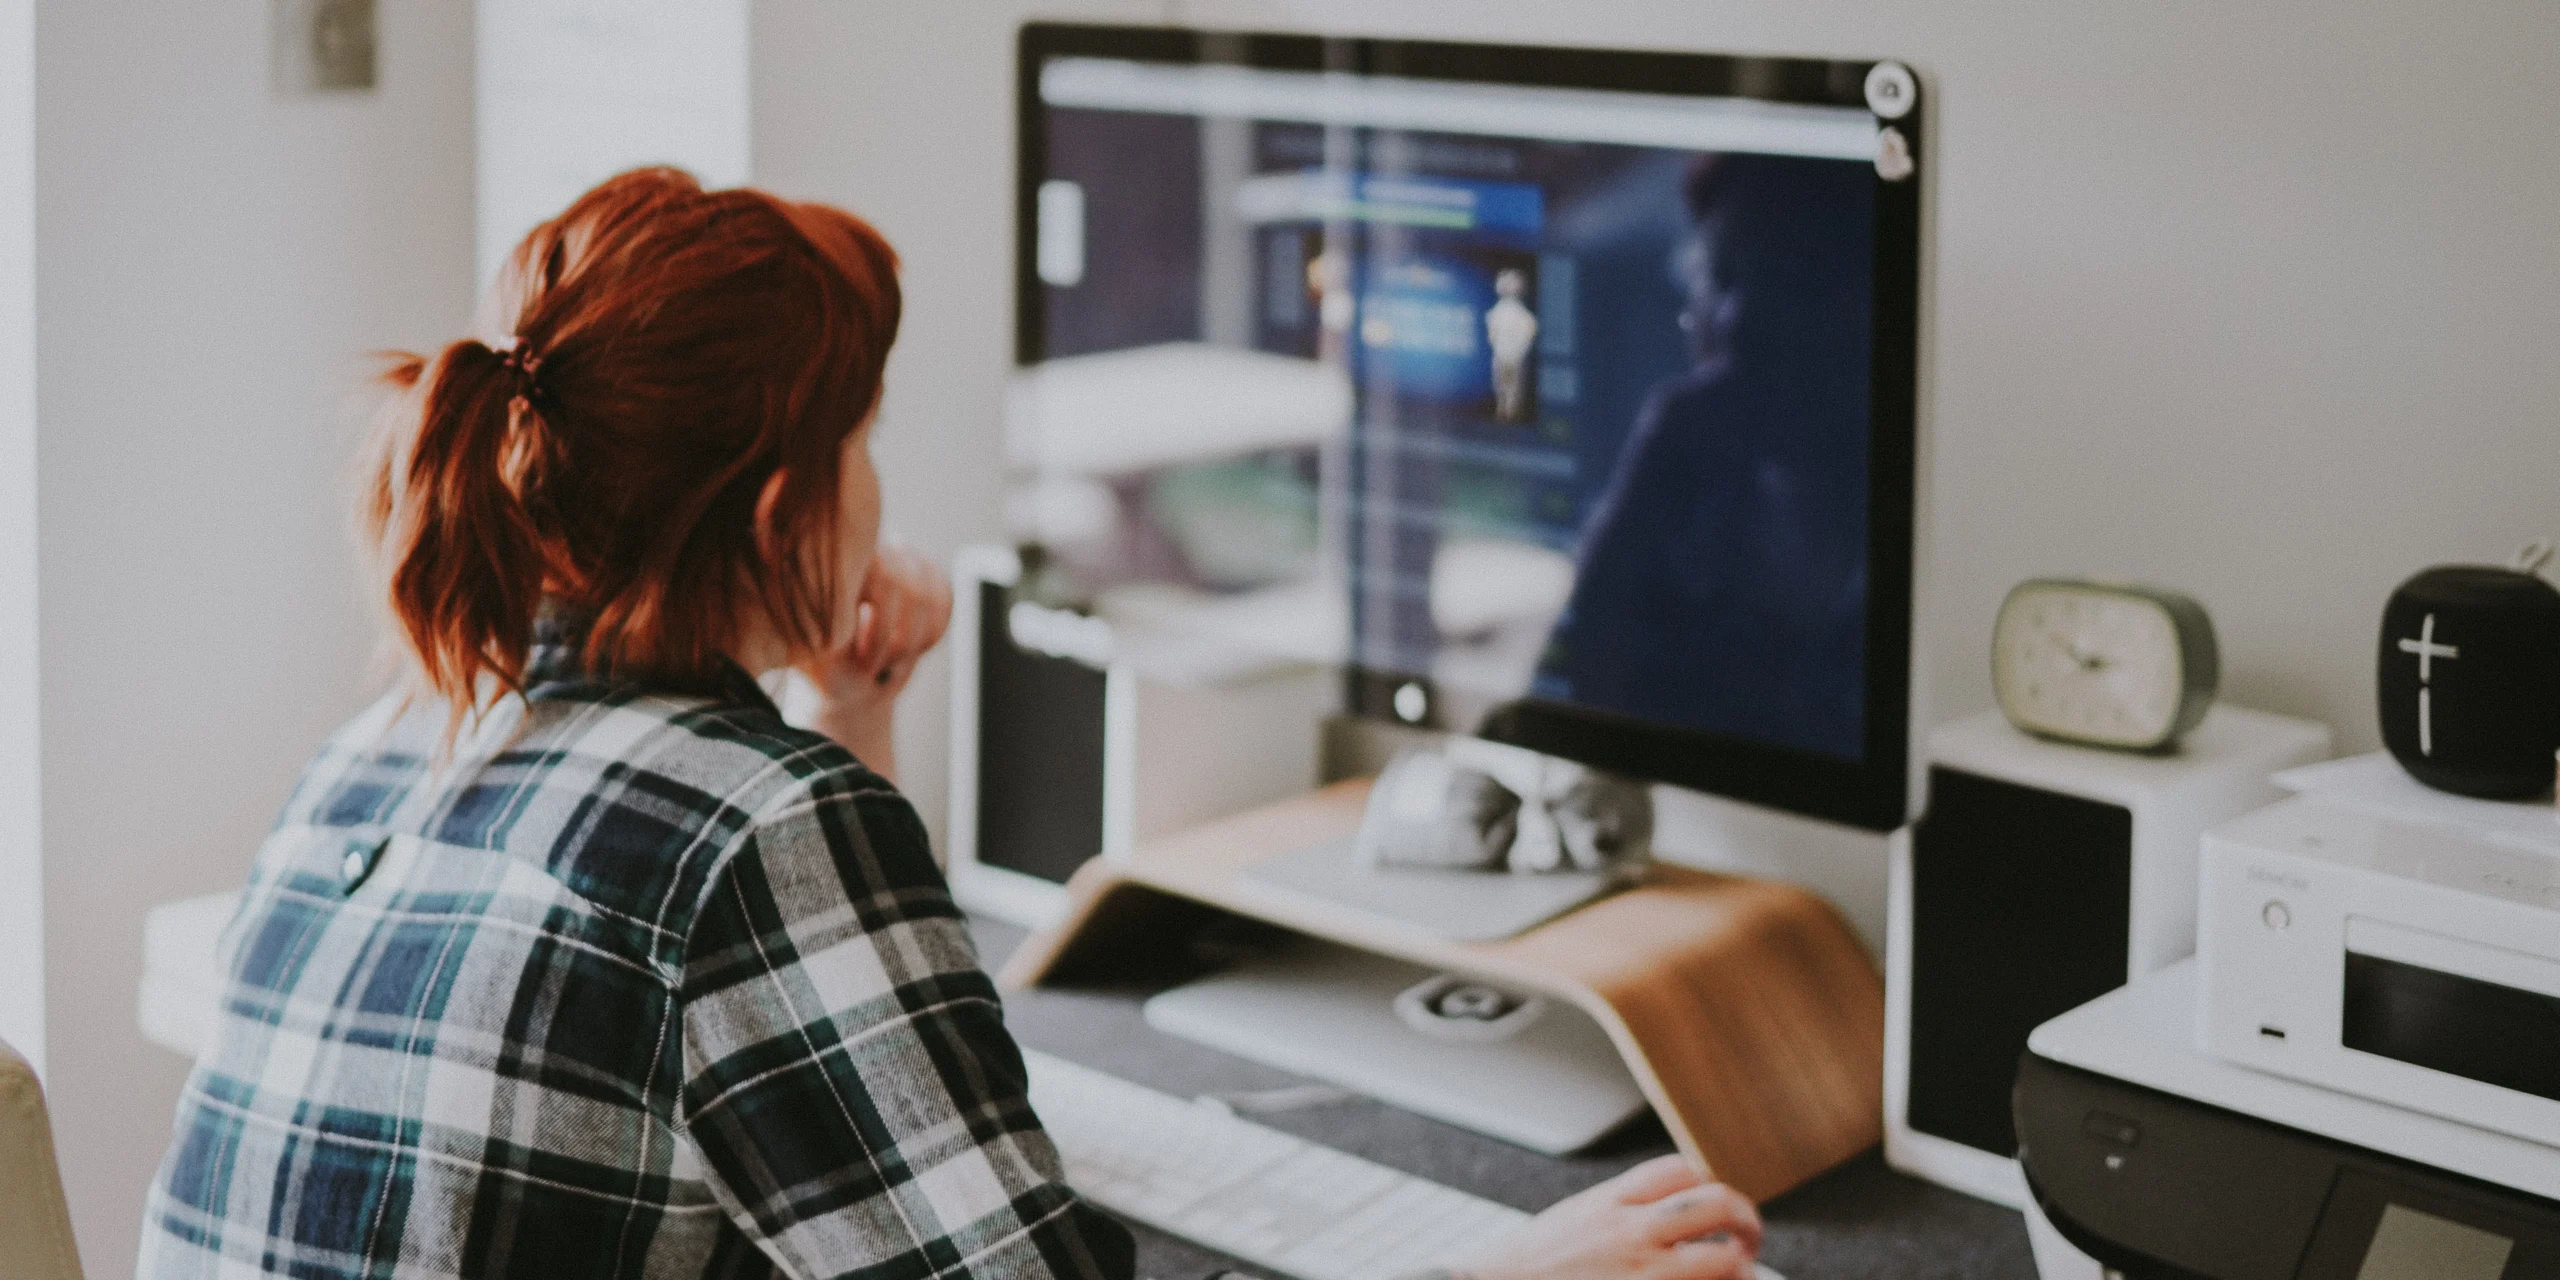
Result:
[{"x": 1746, "y": 1009}]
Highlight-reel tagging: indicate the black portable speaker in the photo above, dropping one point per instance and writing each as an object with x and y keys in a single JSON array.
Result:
[{"x": 2469, "y": 680}]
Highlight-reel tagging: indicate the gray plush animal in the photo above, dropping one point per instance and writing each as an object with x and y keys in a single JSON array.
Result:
[{"x": 1486, "y": 806}]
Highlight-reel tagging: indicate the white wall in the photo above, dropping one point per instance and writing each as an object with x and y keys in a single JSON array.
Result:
[
  {"x": 214, "y": 261},
  {"x": 570, "y": 92},
  {"x": 21, "y": 786},
  {"x": 903, "y": 113},
  {"x": 2255, "y": 300}
]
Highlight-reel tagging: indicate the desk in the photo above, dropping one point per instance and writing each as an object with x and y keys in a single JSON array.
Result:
[{"x": 1857, "y": 1222}]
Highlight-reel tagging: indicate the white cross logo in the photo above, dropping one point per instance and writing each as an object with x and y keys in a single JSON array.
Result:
[{"x": 2424, "y": 645}]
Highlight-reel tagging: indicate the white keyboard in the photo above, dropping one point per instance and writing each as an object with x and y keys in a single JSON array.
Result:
[
  {"x": 1253, "y": 1192},
  {"x": 1195, "y": 1170}
]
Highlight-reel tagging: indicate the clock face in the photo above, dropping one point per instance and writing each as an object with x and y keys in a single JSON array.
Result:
[{"x": 2091, "y": 664}]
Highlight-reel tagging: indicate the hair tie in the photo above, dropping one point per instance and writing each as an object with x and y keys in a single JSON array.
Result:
[{"x": 519, "y": 355}]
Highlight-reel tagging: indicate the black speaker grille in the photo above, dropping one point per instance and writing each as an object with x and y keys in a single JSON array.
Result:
[
  {"x": 2020, "y": 910},
  {"x": 1039, "y": 752}
]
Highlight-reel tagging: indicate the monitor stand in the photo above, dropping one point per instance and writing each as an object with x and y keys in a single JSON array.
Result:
[
  {"x": 1460, "y": 906},
  {"x": 1551, "y": 1081},
  {"x": 1746, "y": 1009}
]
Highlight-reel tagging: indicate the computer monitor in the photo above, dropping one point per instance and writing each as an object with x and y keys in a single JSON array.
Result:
[{"x": 1566, "y": 396}]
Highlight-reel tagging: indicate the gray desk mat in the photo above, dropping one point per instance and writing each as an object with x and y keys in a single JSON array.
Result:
[{"x": 1857, "y": 1222}]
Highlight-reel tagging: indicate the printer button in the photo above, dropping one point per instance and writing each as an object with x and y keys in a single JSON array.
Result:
[{"x": 2108, "y": 1127}]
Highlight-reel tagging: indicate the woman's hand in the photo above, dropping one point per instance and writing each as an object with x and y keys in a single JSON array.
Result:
[
  {"x": 901, "y": 611},
  {"x": 1657, "y": 1221}
]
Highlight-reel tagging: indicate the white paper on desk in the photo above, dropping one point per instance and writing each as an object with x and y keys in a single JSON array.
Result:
[{"x": 2377, "y": 784}]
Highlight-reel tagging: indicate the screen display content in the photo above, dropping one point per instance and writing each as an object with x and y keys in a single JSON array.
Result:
[
  {"x": 1530, "y": 395},
  {"x": 2425, "y": 1227},
  {"x": 2409, "y": 1244}
]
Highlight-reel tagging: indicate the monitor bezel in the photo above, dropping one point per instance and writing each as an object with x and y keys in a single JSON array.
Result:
[{"x": 1879, "y": 790}]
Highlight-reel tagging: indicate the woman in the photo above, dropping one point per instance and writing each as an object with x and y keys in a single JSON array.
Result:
[
  {"x": 1721, "y": 581},
  {"x": 570, "y": 958}
]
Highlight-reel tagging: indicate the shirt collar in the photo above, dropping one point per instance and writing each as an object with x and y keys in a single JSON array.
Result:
[{"x": 557, "y": 657}]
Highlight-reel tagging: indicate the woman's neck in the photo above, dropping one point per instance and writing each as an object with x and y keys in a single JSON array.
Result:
[{"x": 759, "y": 648}]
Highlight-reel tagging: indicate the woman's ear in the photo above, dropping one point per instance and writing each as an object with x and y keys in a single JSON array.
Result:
[
  {"x": 767, "y": 499},
  {"x": 812, "y": 559}
]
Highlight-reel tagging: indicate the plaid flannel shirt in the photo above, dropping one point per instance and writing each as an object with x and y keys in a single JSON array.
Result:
[{"x": 635, "y": 985}]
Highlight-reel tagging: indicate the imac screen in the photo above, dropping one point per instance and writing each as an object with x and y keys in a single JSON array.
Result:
[{"x": 1511, "y": 395}]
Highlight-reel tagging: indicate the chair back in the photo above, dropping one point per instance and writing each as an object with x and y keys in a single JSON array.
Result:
[{"x": 35, "y": 1223}]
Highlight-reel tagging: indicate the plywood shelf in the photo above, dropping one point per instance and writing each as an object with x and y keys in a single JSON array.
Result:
[{"x": 1746, "y": 1009}]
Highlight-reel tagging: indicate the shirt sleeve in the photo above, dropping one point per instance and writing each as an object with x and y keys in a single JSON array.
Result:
[{"x": 849, "y": 1084}]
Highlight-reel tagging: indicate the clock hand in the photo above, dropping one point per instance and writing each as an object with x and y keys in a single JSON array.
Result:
[{"x": 2086, "y": 662}]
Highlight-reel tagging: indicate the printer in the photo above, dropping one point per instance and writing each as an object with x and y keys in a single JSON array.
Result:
[
  {"x": 2357, "y": 1077},
  {"x": 2156, "y": 1159}
]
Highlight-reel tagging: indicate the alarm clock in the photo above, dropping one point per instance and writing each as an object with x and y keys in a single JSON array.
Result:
[
  {"x": 2467, "y": 680},
  {"x": 2105, "y": 664}
]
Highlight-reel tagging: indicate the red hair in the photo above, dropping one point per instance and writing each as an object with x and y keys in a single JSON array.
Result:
[{"x": 672, "y": 353}]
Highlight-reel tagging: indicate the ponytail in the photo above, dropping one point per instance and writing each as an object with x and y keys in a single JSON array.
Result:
[{"x": 455, "y": 509}]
